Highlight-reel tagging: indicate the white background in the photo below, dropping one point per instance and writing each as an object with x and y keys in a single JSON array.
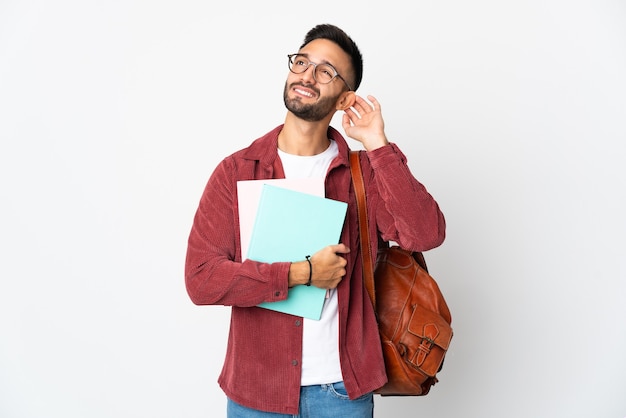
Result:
[{"x": 113, "y": 114}]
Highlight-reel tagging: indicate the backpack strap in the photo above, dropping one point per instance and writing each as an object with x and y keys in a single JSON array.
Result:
[{"x": 366, "y": 248}]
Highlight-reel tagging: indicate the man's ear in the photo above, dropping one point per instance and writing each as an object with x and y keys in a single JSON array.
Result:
[{"x": 346, "y": 100}]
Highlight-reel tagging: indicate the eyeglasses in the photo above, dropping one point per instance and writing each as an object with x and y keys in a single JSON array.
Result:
[{"x": 322, "y": 73}]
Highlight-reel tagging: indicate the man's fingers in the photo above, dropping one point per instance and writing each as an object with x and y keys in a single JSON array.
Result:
[{"x": 340, "y": 248}]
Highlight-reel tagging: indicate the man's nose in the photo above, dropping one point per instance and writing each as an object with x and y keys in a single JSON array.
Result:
[{"x": 309, "y": 73}]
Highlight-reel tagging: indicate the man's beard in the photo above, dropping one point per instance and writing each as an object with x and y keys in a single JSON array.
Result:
[{"x": 309, "y": 112}]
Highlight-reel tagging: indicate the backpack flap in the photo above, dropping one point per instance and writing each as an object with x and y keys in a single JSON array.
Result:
[{"x": 426, "y": 340}]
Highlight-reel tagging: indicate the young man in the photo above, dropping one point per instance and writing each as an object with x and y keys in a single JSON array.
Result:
[{"x": 278, "y": 364}]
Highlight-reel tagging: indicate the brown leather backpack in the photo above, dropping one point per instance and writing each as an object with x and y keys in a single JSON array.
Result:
[{"x": 414, "y": 321}]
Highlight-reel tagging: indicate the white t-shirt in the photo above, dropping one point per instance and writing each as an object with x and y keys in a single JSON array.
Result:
[{"x": 320, "y": 345}]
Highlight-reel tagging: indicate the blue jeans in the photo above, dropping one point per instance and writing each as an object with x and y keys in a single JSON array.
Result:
[{"x": 318, "y": 401}]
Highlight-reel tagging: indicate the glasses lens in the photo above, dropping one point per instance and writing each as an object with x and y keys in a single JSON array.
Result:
[
  {"x": 324, "y": 73},
  {"x": 298, "y": 63}
]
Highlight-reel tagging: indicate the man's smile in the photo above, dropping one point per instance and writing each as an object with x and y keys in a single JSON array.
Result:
[{"x": 303, "y": 91}]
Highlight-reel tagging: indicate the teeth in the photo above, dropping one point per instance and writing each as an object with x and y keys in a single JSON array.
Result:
[{"x": 305, "y": 93}]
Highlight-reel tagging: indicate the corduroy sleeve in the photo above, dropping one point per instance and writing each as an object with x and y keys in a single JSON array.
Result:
[{"x": 214, "y": 273}]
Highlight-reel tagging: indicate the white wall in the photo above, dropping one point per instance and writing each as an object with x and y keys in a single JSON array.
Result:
[{"x": 113, "y": 115}]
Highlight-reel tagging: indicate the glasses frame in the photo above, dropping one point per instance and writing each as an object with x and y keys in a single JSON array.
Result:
[{"x": 335, "y": 73}]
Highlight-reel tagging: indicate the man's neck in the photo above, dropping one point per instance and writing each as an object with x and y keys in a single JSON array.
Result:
[{"x": 300, "y": 137}]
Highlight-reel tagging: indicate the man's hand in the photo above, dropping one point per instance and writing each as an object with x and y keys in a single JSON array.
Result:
[
  {"x": 327, "y": 265},
  {"x": 364, "y": 123}
]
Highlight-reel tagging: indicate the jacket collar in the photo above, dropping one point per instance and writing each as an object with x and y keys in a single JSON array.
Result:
[{"x": 265, "y": 148}]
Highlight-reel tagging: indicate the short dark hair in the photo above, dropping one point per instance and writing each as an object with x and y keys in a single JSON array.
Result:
[{"x": 338, "y": 36}]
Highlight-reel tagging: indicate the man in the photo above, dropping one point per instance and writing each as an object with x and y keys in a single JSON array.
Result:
[{"x": 278, "y": 364}]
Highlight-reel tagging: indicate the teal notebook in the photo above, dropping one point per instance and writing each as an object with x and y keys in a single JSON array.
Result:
[{"x": 290, "y": 225}]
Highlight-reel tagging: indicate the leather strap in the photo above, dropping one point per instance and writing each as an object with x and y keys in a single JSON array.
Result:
[{"x": 366, "y": 248}]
